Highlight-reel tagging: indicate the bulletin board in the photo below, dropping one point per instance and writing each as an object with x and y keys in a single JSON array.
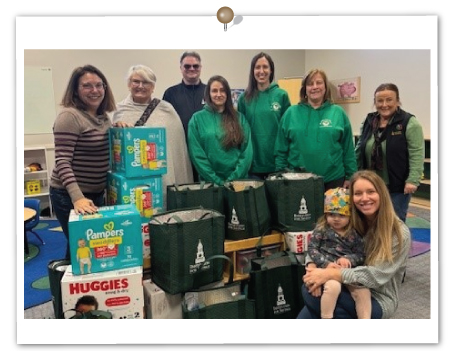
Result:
[{"x": 39, "y": 100}]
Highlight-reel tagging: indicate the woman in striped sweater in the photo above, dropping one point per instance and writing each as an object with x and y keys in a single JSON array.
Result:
[{"x": 81, "y": 146}]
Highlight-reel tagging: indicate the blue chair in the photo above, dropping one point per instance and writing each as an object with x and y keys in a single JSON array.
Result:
[{"x": 35, "y": 204}]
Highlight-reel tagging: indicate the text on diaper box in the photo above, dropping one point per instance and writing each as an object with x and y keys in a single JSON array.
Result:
[{"x": 98, "y": 285}]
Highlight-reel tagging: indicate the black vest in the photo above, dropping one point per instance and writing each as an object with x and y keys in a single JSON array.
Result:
[{"x": 397, "y": 155}]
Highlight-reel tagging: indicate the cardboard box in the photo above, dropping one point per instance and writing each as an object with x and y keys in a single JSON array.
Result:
[
  {"x": 139, "y": 151},
  {"x": 146, "y": 245},
  {"x": 244, "y": 257},
  {"x": 159, "y": 304},
  {"x": 145, "y": 193},
  {"x": 298, "y": 241},
  {"x": 108, "y": 240},
  {"x": 119, "y": 292}
]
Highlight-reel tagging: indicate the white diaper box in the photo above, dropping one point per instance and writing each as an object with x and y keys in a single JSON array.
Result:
[
  {"x": 298, "y": 241},
  {"x": 119, "y": 292},
  {"x": 159, "y": 304}
]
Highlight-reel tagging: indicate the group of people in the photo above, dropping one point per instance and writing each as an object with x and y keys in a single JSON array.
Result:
[{"x": 209, "y": 139}]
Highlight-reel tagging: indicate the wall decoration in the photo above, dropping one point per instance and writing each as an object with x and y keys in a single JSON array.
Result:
[{"x": 346, "y": 90}]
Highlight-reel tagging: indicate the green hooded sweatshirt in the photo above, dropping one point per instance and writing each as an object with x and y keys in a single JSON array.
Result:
[
  {"x": 319, "y": 140},
  {"x": 264, "y": 113},
  {"x": 212, "y": 161}
]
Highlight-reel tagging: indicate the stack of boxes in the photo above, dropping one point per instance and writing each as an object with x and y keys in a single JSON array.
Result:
[
  {"x": 106, "y": 263},
  {"x": 138, "y": 161},
  {"x": 110, "y": 249}
]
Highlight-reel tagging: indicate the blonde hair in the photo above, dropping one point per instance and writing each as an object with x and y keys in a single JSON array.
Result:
[
  {"x": 379, "y": 234},
  {"x": 322, "y": 224},
  {"x": 143, "y": 71}
]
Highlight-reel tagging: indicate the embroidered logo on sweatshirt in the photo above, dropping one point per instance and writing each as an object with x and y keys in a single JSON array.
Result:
[
  {"x": 275, "y": 106},
  {"x": 325, "y": 123}
]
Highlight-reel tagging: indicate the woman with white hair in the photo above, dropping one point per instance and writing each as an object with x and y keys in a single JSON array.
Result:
[{"x": 141, "y": 83}]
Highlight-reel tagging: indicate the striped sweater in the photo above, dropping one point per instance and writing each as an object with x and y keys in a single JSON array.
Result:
[{"x": 81, "y": 152}]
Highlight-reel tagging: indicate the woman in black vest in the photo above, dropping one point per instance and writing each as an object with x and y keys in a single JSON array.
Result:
[{"x": 392, "y": 144}]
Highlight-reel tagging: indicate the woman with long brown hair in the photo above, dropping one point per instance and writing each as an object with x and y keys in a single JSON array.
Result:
[
  {"x": 219, "y": 137},
  {"x": 387, "y": 241}
]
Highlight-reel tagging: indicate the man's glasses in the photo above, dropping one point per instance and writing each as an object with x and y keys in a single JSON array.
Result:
[
  {"x": 136, "y": 82},
  {"x": 187, "y": 67},
  {"x": 98, "y": 86}
]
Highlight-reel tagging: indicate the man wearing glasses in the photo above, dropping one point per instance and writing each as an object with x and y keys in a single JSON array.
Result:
[{"x": 188, "y": 96}]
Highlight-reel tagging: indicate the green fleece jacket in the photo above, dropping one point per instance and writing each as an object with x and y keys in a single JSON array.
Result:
[
  {"x": 264, "y": 113},
  {"x": 319, "y": 140},
  {"x": 212, "y": 161}
]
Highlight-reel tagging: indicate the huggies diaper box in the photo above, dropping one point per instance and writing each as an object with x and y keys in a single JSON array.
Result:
[
  {"x": 145, "y": 193},
  {"x": 119, "y": 292},
  {"x": 298, "y": 241},
  {"x": 138, "y": 152},
  {"x": 108, "y": 240}
]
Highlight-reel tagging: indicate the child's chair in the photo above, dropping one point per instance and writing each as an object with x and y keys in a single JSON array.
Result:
[{"x": 35, "y": 205}]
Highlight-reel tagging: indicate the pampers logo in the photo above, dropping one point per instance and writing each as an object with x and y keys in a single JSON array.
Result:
[
  {"x": 109, "y": 232},
  {"x": 136, "y": 149}
]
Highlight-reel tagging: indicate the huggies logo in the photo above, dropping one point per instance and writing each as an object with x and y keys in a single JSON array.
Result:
[{"x": 105, "y": 285}]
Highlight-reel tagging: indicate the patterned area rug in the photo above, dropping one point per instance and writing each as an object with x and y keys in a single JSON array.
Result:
[
  {"x": 36, "y": 281},
  {"x": 420, "y": 232}
]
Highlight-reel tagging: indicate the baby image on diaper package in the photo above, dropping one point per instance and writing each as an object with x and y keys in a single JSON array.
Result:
[{"x": 108, "y": 240}]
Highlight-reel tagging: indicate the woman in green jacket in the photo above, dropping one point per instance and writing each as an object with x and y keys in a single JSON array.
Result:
[
  {"x": 316, "y": 135},
  {"x": 263, "y": 103},
  {"x": 219, "y": 138}
]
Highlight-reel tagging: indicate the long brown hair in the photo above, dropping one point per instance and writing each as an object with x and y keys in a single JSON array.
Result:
[
  {"x": 234, "y": 135},
  {"x": 252, "y": 89},
  {"x": 72, "y": 99},
  {"x": 307, "y": 79},
  {"x": 379, "y": 234}
]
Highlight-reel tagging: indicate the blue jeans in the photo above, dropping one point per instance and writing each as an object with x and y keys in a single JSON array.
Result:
[
  {"x": 401, "y": 204},
  {"x": 62, "y": 204},
  {"x": 345, "y": 306}
]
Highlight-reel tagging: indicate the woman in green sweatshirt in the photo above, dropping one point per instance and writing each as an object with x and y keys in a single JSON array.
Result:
[
  {"x": 219, "y": 138},
  {"x": 316, "y": 135},
  {"x": 263, "y": 104}
]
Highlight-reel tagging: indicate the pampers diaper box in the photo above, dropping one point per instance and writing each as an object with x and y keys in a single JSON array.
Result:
[
  {"x": 108, "y": 240},
  {"x": 138, "y": 152},
  {"x": 119, "y": 292},
  {"x": 145, "y": 193}
]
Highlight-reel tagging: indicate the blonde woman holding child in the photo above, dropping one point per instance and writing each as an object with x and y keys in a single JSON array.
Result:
[{"x": 335, "y": 244}]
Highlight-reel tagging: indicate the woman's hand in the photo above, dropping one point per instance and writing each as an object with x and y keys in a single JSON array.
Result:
[
  {"x": 84, "y": 205},
  {"x": 409, "y": 188},
  {"x": 121, "y": 124},
  {"x": 314, "y": 278}
]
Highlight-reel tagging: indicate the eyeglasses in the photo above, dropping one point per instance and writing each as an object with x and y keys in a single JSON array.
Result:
[
  {"x": 136, "y": 82},
  {"x": 98, "y": 86},
  {"x": 187, "y": 67}
]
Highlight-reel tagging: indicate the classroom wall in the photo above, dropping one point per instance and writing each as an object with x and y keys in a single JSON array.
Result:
[{"x": 408, "y": 69}]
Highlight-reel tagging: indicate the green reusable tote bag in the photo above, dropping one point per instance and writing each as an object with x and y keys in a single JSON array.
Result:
[
  {"x": 247, "y": 212},
  {"x": 225, "y": 302},
  {"x": 296, "y": 200},
  {"x": 180, "y": 242},
  {"x": 206, "y": 195},
  {"x": 275, "y": 285}
]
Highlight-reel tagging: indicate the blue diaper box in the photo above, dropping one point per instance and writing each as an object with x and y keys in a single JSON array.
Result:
[
  {"x": 108, "y": 240},
  {"x": 138, "y": 152},
  {"x": 145, "y": 193}
]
